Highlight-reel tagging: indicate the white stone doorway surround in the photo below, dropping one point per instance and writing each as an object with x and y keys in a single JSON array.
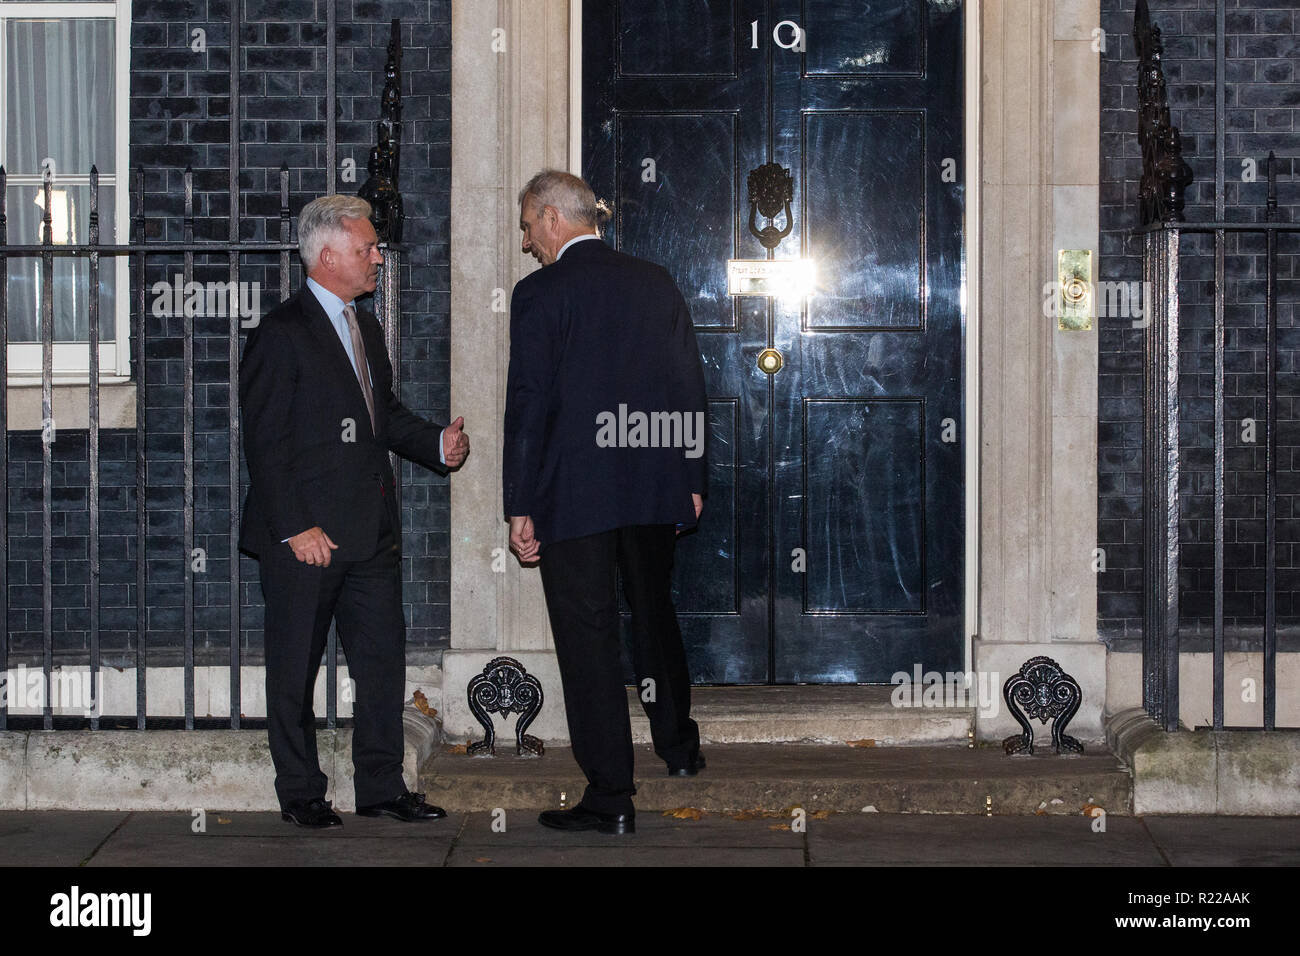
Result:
[{"x": 1033, "y": 125}]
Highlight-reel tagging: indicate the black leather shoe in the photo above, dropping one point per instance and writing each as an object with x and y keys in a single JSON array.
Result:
[
  {"x": 409, "y": 807},
  {"x": 580, "y": 818},
  {"x": 315, "y": 814},
  {"x": 691, "y": 769}
]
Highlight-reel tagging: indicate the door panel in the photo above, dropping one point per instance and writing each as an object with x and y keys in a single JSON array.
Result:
[
  {"x": 832, "y": 546},
  {"x": 694, "y": 160},
  {"x": 674, "y": 37},
  {"x": 865, "y": 233},
  {"x": 853, "y": 38},
  {"x": 707, "y": 574},
  {"x": 864, "y": 518}
]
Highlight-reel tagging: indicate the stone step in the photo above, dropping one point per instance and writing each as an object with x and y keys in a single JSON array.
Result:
[
  {"x": 745, "y": 779},
  {"x": 815, "y": 714}
]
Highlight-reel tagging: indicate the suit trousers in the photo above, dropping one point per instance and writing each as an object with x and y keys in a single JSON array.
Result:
[
  {"x": 578, "y": 577},
  {"x": 364, "y": 598}
]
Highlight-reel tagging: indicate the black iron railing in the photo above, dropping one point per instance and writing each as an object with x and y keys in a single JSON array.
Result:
[
  {"x": 142, "y": 254},
  {"x": 1164, "y": 178}
]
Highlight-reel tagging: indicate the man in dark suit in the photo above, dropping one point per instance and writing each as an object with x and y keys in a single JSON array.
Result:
[
  {"x": 604, "y": 464},
  {"x": 319, "y": 418}
]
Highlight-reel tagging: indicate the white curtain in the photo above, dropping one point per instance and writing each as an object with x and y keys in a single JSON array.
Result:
[{"x": 58, "y": 105}]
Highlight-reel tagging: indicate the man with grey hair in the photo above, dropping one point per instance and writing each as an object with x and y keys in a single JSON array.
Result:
[
  {"x": 571, "y": 199},
  {"x": 592, "y": 334},
  {"x": 319, "y": 419}
]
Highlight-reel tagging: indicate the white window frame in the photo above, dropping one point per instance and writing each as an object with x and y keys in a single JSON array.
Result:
[{"x": 72, "y": 359}]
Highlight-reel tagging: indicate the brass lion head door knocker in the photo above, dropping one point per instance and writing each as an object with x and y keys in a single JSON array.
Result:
[{"x": 771, "y": 191}]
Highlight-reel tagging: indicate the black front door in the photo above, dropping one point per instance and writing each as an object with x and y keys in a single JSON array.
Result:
[{"x": 832, "y": 548}]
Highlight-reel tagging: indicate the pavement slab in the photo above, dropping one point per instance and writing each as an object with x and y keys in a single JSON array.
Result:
[
  {"x": 623, "y": 855},
  {"x": 1227, "y": 841},
  {"x": 263, "y": 839},
  {"x": 54, "y": 837},
  {"x": 218, "y": 825},
  {"x": 167, "y": 839},
  {"x": 966, "y": 840},
  {"x": 652, "y": 830}
]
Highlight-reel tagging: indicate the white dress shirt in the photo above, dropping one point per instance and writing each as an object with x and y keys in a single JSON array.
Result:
[
  {"x": 334, "y": 307},
  {"x": 563, "y": 248}
]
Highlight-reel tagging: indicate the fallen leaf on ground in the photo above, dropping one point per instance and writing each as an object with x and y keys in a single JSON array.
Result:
[
  {"x": 865, "y": 742},
  {"x": 779, "y": 826},
  {"x": 1088, "y": 809},
  {"x": 758, "y": 814},
  {"x": 422, "y": 704},
  {"x": 482, "y": 859},
  {"x": 456, "y": 749},
  {"x": 222, "y": 820},
  {"x": 684, "y": 813}
]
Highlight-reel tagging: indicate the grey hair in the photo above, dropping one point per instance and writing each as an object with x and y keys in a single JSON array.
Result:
[
  {"x": 323, "y": 217},
  {"x": 569, "y": 194}
]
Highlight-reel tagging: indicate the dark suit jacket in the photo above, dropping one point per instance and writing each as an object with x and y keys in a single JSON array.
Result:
[
  {"x": 296, "y": 387},
  {"x": 593, "y": 331}
]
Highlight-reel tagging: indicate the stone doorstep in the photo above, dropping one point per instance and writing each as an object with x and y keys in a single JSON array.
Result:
[
  {"x": 231, "y": 770},
  {"x": 1230, "y": 772},
  {"x": 771, "y": 778},
  {"x": 814, "y": 714},
  {"x": 175, "y": 769}
]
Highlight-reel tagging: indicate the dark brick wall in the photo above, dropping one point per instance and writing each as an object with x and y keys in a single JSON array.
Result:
[
  {"x": 1263, "y": 113},
  {"x": 180, "y": 102}
]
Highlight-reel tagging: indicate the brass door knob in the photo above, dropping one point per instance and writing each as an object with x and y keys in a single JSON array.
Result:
[{"x": 770, "y": 361}]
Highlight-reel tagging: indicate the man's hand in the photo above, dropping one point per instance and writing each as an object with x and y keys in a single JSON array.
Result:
[
  {"x": 522, "y": 540},
  {"x": 455, "y": 443},
  {"x": 313, "y": 546},
  {"x": 698, "y": 501}
]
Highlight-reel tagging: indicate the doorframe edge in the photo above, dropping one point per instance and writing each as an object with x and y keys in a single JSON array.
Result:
[
  {"x": 575, "y": 87},
  {"x": 970, "y": 304}
]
